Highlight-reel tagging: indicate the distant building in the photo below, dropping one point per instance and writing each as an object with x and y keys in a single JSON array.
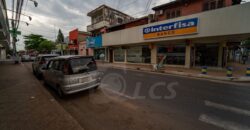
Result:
[
  {"x": 4, "y": 30},
  {"x": 77, "y": 43},
  {"x": 105, "y": 16},
  {"x": 102, "y": 18}
]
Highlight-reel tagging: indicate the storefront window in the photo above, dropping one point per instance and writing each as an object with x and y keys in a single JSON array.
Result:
[
  {"x": 171, "y": 54},
  {"x": 119, "y": 55},
  {"x": 139, "y": 54},
  {"x": 99, "y": 54},
  {"x": 206, "y": 55}
]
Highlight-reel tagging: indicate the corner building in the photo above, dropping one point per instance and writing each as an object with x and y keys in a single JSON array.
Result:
[{"x": 193, "y": 34}]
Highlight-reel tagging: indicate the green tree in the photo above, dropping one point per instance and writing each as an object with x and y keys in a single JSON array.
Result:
[
  {"x": 33, "y": 41},
  {"x": 46, "y": 45},
  {"x": 235, "y": 2},
  {"x": 246, "y": 42},
  {"x": 60, "y": 37}
]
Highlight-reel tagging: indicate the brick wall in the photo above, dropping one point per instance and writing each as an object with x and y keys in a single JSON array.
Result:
[{"x": 186, "y": 9}]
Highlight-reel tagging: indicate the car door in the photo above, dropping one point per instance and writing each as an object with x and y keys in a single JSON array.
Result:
[
  {"x": 58, "y": 72},
  {"x": 35, "y": 63},
  {"x": 54, "y": 73},
  {"x": 48, "y": 73}
]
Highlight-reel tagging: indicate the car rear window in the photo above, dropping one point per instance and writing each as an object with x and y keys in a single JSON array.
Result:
[
  {"x": 47, "y": 58},
  {"x": 82, "y": 65}
]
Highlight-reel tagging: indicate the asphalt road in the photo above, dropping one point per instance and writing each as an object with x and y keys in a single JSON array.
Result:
[{"x": 140, "y": 100}]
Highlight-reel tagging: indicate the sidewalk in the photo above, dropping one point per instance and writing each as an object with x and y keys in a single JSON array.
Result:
[
  {"x": 25, "y": 104},
  {"x": 239, "y": 75}
]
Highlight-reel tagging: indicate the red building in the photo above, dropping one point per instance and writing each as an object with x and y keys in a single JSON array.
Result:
[
  {"x": 77, "y": 43},
  {"x": 179, "y": 8}
]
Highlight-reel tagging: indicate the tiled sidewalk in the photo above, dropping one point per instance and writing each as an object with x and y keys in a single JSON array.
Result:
[{"x": 26, "y": 105}]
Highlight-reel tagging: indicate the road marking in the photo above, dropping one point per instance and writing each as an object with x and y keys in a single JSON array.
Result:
[
  {"x": 115, "y": 92},
  {"x": 213, "y": 120},
  {"x": 228, "y": 108}
]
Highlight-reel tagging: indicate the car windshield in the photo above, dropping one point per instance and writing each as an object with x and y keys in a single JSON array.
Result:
[{"x": 81, "y": 65}]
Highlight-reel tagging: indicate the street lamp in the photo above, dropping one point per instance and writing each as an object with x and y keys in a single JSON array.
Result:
[
  {"x": 20, "y": 21},
  {"x": 35, "y": 2},
  {"x": 30, "y": 18}
]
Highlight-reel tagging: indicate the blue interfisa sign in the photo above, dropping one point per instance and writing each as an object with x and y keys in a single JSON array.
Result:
[{"x": 182, "y": 27}]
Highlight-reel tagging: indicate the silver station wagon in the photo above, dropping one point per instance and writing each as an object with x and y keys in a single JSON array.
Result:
[{"x": 71, "y": 74}]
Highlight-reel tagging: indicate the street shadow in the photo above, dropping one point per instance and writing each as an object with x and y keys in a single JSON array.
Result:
[{"x": 78, "y": 95}]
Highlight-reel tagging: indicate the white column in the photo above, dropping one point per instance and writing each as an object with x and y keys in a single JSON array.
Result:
[{"x": 153, "y": 54}]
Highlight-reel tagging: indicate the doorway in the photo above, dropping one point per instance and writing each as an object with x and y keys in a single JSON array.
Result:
[
  {"x": 206, "y": 55},
  {"x": 111, "y": 55}
]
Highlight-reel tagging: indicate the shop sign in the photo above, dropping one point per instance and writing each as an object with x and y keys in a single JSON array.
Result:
[
  {"x": 94, "y": 42},
  {"x": 182, "y": 27}
]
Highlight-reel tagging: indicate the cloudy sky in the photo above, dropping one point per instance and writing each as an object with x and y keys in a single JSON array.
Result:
[{"x": 50, "y": 15}]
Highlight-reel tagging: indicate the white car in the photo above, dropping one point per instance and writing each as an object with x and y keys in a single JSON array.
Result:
[{"x": 25, "y": 58}]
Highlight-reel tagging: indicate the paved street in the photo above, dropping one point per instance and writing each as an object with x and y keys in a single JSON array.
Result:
[{"x": 140, "y": 100}]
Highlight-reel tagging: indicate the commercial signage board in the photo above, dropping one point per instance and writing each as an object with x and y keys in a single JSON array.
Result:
[
  {"x": 182, "y": 27},
  {"x": 94, "y": 42}
]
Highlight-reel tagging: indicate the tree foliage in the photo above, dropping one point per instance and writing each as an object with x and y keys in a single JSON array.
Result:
[
  {"x": 60, "y": 37},
  {"x": 38, "y": 43},
  {"x": 246, "y": 42},
  {"x": 32, "y": 41},
  {"x": 46, "y": 45},
  {"x": 235, "y": 2}
]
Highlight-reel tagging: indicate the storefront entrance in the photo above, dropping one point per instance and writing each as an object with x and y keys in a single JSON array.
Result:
[{"x": 206, "y": 55}]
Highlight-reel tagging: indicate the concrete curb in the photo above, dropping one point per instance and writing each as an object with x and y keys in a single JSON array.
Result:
[{"x": 202, "y": 76}]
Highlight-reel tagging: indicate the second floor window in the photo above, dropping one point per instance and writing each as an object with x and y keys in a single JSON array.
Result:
[
  {"x": 173, "y": 13},
  {"x": 97, "y": 19},
  {"x": 213, "y": 4},
  {"x": 120, "y": 20}
]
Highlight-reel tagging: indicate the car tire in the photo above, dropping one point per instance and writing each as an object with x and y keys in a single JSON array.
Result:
[
  {"x": 59, "y": 92},
  {"x": 96, "y": 87},
  {"x": 33, "y": 70}
]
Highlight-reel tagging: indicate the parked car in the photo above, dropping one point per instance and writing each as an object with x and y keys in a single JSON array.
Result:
[
  {"x": 25, "y": 58},
  {"x": 40, "y": 62},
  {"x": 32, "y": 58},
  {"x": 71, "y": 74}
]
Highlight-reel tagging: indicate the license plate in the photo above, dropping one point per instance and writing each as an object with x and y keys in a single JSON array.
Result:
[{"x": 86, "y": 79}]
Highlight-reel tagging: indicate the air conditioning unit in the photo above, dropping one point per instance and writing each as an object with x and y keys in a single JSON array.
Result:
[{"x": 160, "y": 12}]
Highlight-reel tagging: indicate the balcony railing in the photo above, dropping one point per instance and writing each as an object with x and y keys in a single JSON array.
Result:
[{"x": 97, "y": 25}]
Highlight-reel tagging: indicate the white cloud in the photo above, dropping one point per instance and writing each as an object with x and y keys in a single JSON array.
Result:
[{"x": 50, "y": 15}]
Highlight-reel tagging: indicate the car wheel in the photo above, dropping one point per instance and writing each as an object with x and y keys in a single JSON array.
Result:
[
  {"x": 96, "y": 87},
  {"x": 60, "y": 92},
  {"x": 33, "y": 71}
]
